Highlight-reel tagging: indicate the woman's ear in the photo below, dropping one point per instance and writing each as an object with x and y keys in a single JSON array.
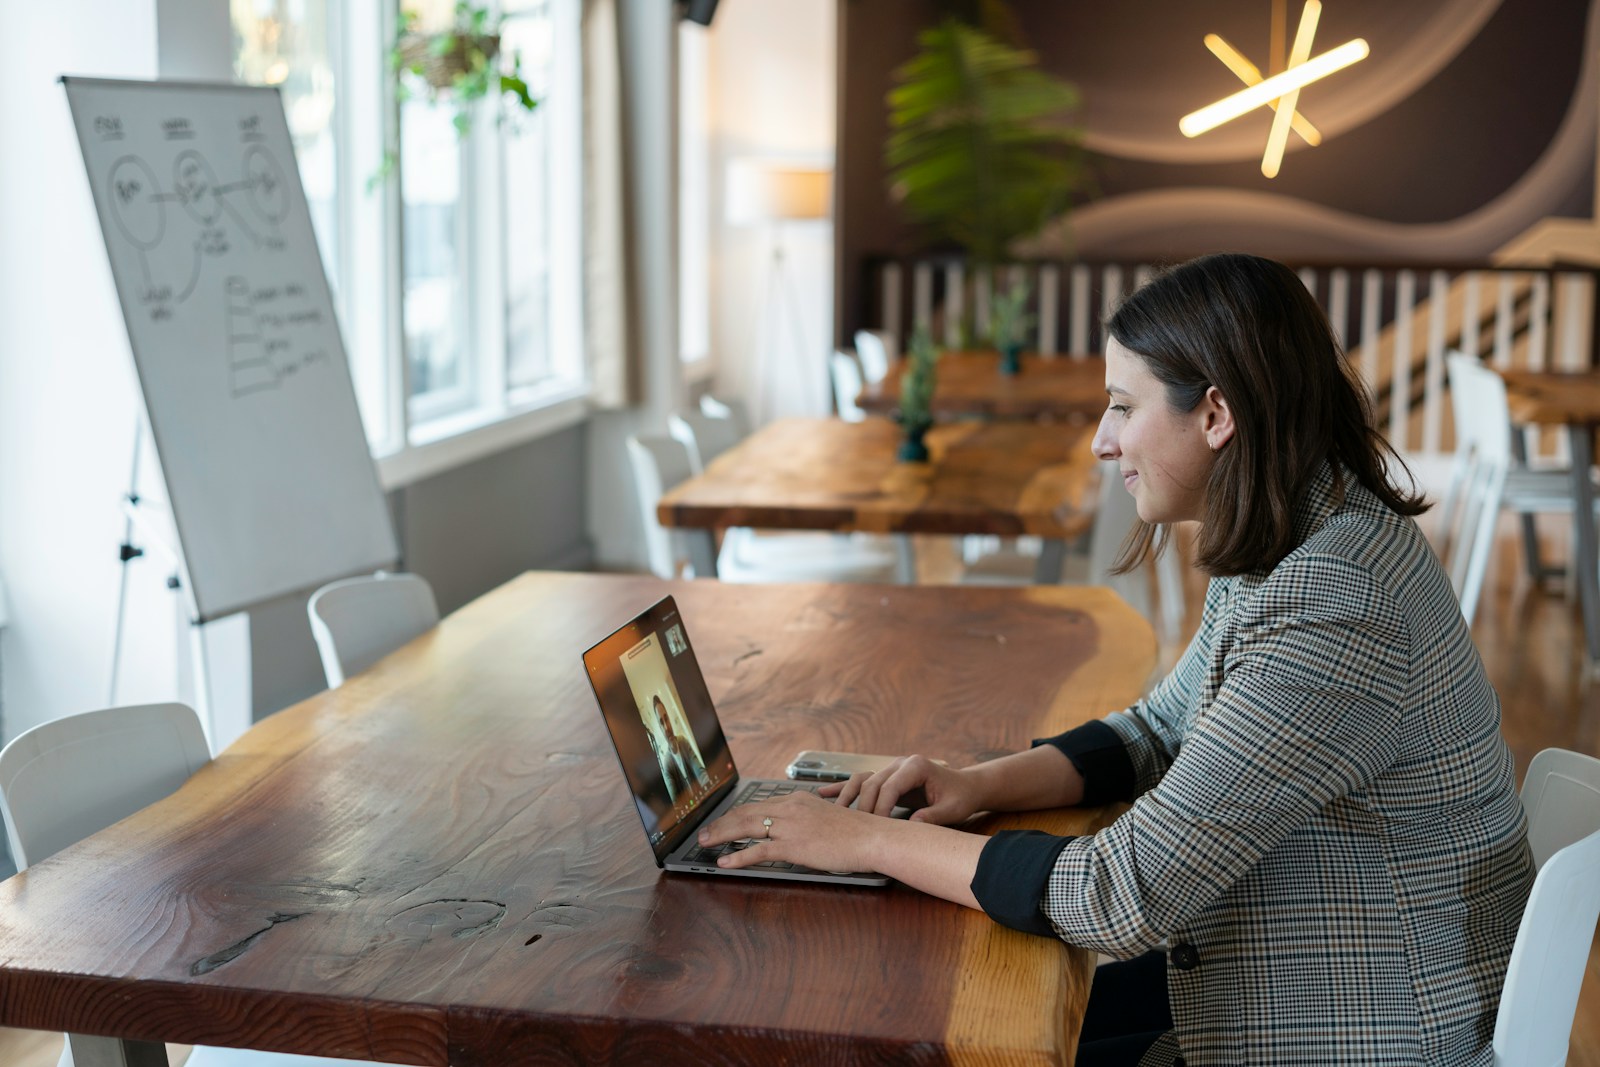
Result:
[{"x": 1218, "y": 422}]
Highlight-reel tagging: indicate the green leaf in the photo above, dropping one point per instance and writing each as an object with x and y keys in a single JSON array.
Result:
[{"x": 516, "y": 87}]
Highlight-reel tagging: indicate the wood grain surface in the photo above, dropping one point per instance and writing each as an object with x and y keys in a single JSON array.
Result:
[
  {"x": 1553, "y": 397},
  {"x": 439, "y": 862},
  {"x": 1066, "y": 388},
  {"x": 1004, "y": 478}
]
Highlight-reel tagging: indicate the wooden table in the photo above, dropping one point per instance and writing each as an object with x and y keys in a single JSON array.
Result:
[
  {"x": 439, "y": 861},
  {"x": 1002, "y": 478},
  {"x": 1063, "y": 388},
  {"x": 1554, "y": 398}
]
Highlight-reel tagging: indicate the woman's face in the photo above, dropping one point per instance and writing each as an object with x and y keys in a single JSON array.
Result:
[{"x": 1165, "y": 456}]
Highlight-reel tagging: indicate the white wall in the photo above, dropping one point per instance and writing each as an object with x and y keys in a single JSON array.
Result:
[
  {"x": 68, "y": 402},
  {"x": 772, "y": 96}
]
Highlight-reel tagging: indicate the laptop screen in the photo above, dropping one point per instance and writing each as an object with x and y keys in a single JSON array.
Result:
[{"x": 659, "y": 713}]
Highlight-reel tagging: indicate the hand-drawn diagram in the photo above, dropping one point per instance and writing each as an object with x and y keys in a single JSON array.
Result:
[
  {"x": 260, "y": 355},
  {"x": 139, "y": 209}
]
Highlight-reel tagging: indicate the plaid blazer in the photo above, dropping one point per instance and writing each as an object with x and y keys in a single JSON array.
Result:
[{"x": 1326, "y": 835}]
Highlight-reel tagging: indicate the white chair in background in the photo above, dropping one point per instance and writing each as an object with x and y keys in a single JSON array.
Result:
[
  {"x": 66, "y": 779},
  {"x": 724, "y": 408},
  {"x": 358, "y": 621},
  {"x": 1115, "y": 514},
  {"x": 1539, "y": 1000},
  {"x": 1471, "y": 505},
  {"x": 845, "y": 373},
  {"x": 659, "y": 463},
  {"x": 876, "y": 350},
  {"x": 705, "y": 436},
  {"x": 1486, "y": 478}
]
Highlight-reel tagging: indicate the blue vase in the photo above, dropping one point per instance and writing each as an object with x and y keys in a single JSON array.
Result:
[
  {"x": 913, "y": 449},
  {"x": 1011, "y": 358}
]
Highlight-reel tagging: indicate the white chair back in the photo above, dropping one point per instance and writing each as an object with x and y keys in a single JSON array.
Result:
[
  {"x": 358, "y": 621},
  {"x": 876, "y": 350},
  {"x": 72, "y": 777},
  {"x": 1477, "y": 484},
  {"x": 705, "y": 436},
  {"x": 68, "y": 778},
  {"x": 1540, "y": 999},
  {"x": 658, "y": 463},
  {"x": 847, "y": 385},
  {"x": 724, "y": 408},
  {"x": 1115, "y": 515}
]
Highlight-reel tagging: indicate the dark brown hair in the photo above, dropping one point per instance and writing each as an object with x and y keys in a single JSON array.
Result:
[{"x": 1248, "y": 326}]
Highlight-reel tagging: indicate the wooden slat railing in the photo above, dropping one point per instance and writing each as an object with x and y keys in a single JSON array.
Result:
[{"x": 1395, "y": 321}]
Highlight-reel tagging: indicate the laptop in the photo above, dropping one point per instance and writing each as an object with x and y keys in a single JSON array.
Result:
[{"x": 673, "y": 751}]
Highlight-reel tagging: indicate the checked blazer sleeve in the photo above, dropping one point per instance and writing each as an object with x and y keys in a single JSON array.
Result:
[{"x": 1308, "y": 708}]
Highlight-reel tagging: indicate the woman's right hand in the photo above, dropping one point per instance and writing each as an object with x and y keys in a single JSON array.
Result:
[{"x": 941, "y": 795}]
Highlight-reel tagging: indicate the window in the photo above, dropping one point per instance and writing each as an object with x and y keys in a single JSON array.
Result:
[{"x": 456, "y": 267}]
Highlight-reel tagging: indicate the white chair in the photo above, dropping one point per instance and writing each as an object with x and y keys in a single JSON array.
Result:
[
  {"x": 1561, "y": 794},
  {"x": 659, "y": 463},
  {"x": 705, "y": 436},
  {"x": 1485, "y": 479},
  {"x": 724, "y": 408},
  {"x": 1115, "y": 514},
  {"x": 72, "y": 777},
  {"x": 358, "y": 621},
  {"x": 845, "y": 373},
  {"x": 1471, "y": 504},
  {"x": 876, "y": 350}
]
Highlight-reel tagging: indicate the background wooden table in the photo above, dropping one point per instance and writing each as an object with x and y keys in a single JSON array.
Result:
[
  {"x": 1065, "y": 388},
  {"x": 1002, "y": 478},
  {"x": 1555, "y": 398},
  {"x": 438, "y": 862}
]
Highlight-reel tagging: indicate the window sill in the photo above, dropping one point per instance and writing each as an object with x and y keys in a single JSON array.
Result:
[{"x": 446, "y": 443}]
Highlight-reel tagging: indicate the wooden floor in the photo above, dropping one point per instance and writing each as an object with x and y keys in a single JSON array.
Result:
[{"x": 1532, "y": 646}]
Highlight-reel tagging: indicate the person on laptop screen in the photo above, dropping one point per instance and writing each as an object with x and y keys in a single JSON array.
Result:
[
  {"x": 681, "y": 766},
  {"x": 1325, "y": 834}
]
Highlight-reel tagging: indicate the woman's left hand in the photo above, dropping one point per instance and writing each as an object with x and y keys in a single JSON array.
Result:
[{"x": 804, "y": 830}]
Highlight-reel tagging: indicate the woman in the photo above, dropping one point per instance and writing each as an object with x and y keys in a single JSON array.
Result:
[{"x": 1325, "y": 835}]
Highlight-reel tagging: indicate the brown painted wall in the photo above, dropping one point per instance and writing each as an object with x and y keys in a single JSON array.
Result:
[{"x": 1458, "y": 142}]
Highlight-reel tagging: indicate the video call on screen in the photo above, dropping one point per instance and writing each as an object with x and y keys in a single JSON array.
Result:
[{"x": 673, "y": 752}]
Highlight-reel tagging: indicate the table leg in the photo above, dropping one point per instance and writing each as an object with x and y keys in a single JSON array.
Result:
[
  {"x": 905, "y": 560},
  {"x": 1052, "y": 557},
  {"x": 1584, "y": 553},
  {"x": 702, "y": 546},
  {"x": 91, "y": 1051}
]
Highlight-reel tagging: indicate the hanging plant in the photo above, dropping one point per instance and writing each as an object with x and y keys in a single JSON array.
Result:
[
  {"x": 981, "y": 150},
  {"x": 460, "y": 65}
]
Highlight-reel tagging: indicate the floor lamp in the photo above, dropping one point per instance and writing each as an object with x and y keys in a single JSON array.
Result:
[{"x": 777, "y": 194}]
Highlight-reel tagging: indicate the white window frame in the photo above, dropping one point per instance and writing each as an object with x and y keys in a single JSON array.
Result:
[{"x": 415, "y": 439}]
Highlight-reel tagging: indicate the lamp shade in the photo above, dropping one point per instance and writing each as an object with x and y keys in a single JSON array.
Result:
[{"x": 764, "y": 191}]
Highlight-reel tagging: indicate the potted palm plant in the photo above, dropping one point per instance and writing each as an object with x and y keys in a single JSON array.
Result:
[{"x": 982, "y": 149}]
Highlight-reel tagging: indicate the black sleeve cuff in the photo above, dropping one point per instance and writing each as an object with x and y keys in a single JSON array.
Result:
[
  {"x": 1013, "y": 874},
  {"x": 1101, "y": 759}
]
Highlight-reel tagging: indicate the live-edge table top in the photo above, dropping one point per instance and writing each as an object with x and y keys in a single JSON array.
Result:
[{"x": 438, "y": 862}]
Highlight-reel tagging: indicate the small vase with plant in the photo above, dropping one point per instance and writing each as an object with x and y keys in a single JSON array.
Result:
[
  {"x": 915, "y": 413},
  {"x": 1009, "y": 322}
]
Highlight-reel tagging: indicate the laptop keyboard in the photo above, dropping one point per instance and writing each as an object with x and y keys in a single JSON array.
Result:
[{"x": 751, "y": 793}]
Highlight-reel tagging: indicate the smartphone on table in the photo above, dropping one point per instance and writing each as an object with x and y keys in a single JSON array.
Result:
[{"x": 815, "y": 766}]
